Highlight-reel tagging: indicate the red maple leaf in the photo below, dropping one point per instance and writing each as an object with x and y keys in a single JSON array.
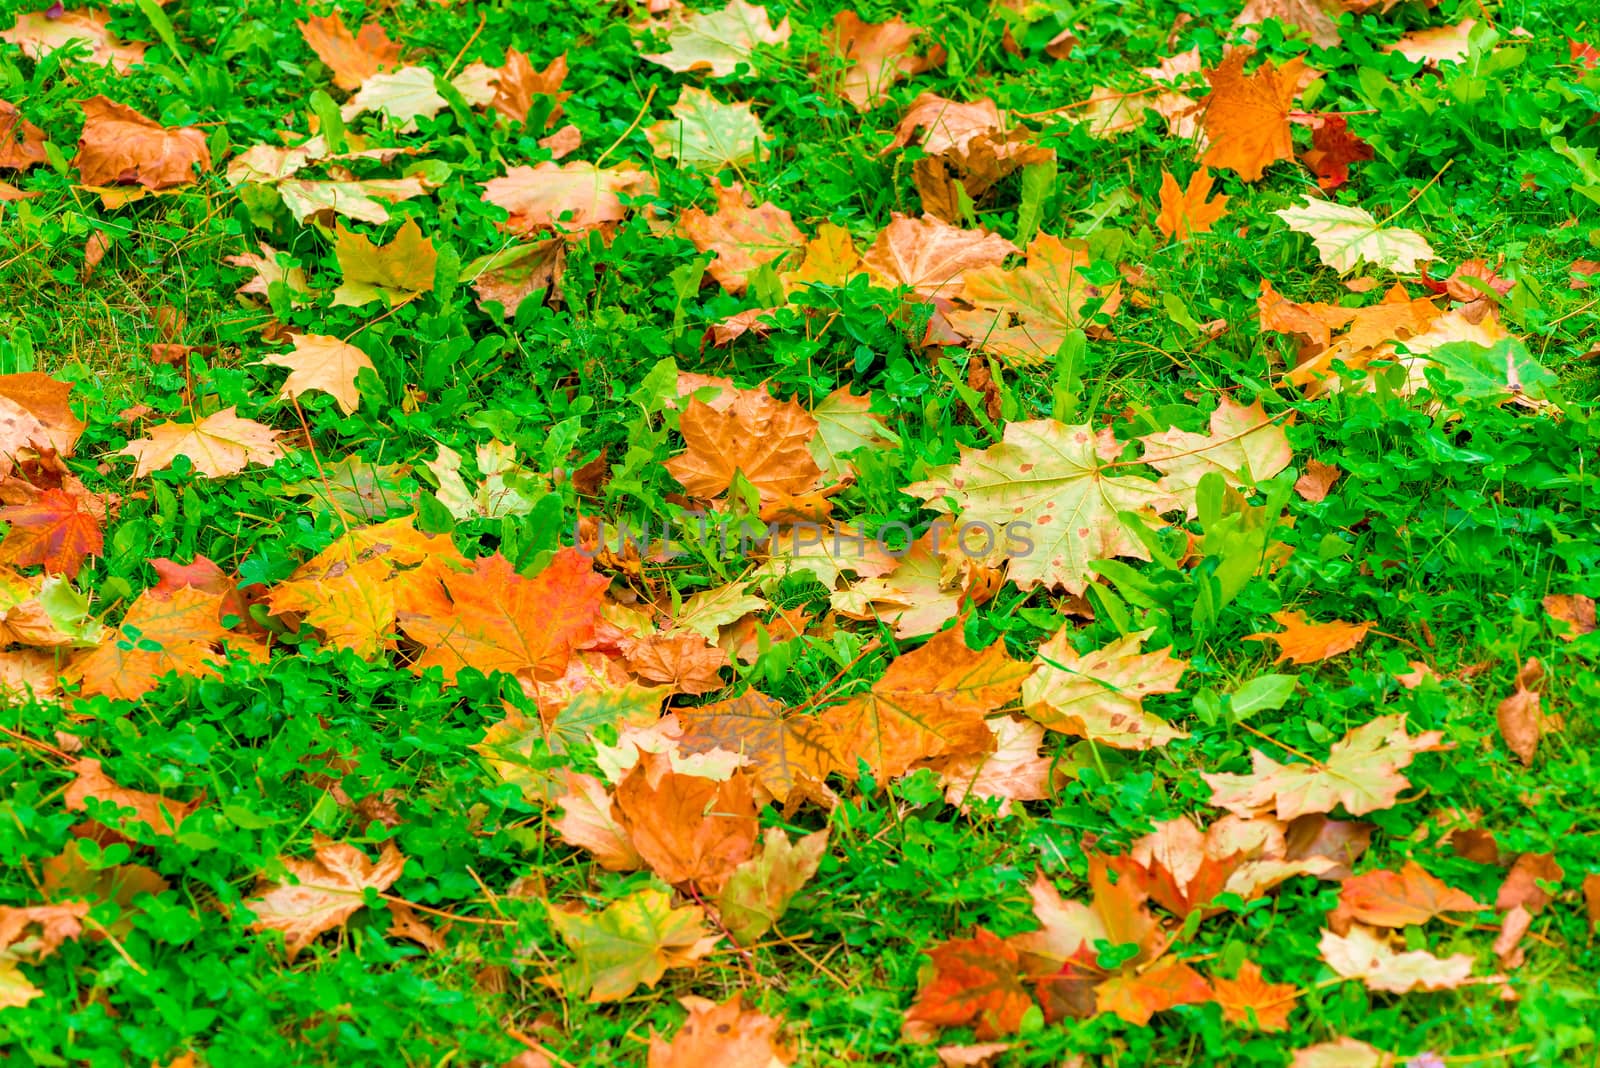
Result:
[
  {"x": 975, "y": 983},
  {"x": 52, "y": 530}
]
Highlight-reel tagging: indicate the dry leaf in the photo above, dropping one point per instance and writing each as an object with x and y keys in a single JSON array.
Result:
[
  {"x": 322, "y": 363},
  {"x": 1303, "y": 642},
  {"x": 322, "y": 893},
  {"x": 119, "y": 146},
  {"x": 219, "y": 445},
  {"x": 1247, "y": 118}
]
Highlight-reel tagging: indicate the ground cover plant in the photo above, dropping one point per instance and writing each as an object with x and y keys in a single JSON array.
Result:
[{"x": 1012, "y": 534}]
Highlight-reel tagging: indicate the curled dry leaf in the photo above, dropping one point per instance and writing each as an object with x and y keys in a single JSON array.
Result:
[
  {"x": 1572, "y": 615},
  {"x": 119, "y": 146},
  {"x": 1522, "y": 885},
  {"x": 1521, "y": 717},
  {"x": 21, "y": 142}
]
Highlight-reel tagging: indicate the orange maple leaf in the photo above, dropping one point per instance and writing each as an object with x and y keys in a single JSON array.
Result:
[
  {"x": 1186, "y": 212},
  {"x": 785, "y": 751},
  {"x": 1247, "y": 118},
  {"x": 119, "y": 146},
  {"x": 162, "y": 815},
  {"x": 975, "y": 984},
  {"x": 728, "y": 1035},
  {"x": 492, "y": 619},
  {"x": 931, "y": 702},
  {"x": 52, "y": 530},
  {"x": 1251, "y": 1001},
  {"x": 688, "y": 829},
  {"x": 743, "y": 236},
  {"x": 1303, "y": 642},
  {"x": 181, "y": 633},
  {"x": 1410, "y": 896},
  {"x": 766, "y": 440},
  {"x": 352, "y": 57}
]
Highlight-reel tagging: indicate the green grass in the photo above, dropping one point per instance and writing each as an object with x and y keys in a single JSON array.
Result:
[{"x": 1446, "y": 531}]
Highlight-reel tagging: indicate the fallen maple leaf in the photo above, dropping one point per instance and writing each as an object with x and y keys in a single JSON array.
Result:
[
  {"x": 353, "y": 58},
  {"x": 1245, "y": 445},
  {"x": 1573, "y": 611},
  {"x": 1343, "y": 1053},
  {"x": 322, "y": 363},
  {"x": 1136, "y": 996},
  {"x": 1318, "y": 479},
  {"x": 1100, "y": 695},
  {"x": 1364, "y": 955},
  {"x": 348, "y": 590},
  {"x": 219, "y": 445},
  {"x": 1014, "y": 770},
  {"x": 21, "y": 142},
  {"x": 687, "y": 829},
  {"x": 586, "y": 821},
  {"x": 632, "y": 941},
  {"x": 1024, "y": 314},
  {"x": 706, "y": 134},
  {"x": 395, "y": 272},
  {"x": 180, "y": 633},
  {"x": 766, "y": 440},
  {"x": 403, "y": 96},
  {"x": 829, "y": 259},
  {"x": 37, "y": 931},
  {"x": 758, "y": 892},
  {"x": 492, "y": 619},
  {"x": 1362, "y": 773},
  {"x": 875, "y": 55},
  {"x": 566, "y": 197},
  {"x": 1346, "y": 236},
  {"x": 323, "y": 892},
  {"x": 721, "y": 1036},
  {"x": 718, "y": 42},
  {"x": 1397, "y": 899},
  {"x": 1521, "y": 887},
  {"x": 743, "y": 237},
  {"x": 975, "y": 984},
  {"x": 1186, "y": 212},
  {"x": 930, "y": 256},
  {"x": 1050, "y": 495},
  {"x": 1521, "y": 718},
  {"x": 35, "y": 414},
  {"x": 162, "y": 815},
  {"x": 120, "y": 146},
  {"x": 1247, "y": 118},
  {"x": 1333, "y": 149},
  {"x": 511, "y": 275},
  {"x": 1303, "y": 642},
  {"x": 1436, "y": 45},
  {"x": 1252, "y": 1002},
  {"x": 52, "y": 530},
  {"x": 930, "y": 703},
  {"x": 1313, "y": 18},
  {"x": 517, "y": 85},
  {"x": 39, "y": 33},
  {"x": 787, "y": 752}
]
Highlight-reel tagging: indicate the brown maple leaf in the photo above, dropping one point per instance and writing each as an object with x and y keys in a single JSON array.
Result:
[
  {"x": 35, "y": 415},
  {"x": 37, "y": 931},
  {"x": 1521, "y": 717},
  {"x": 353, "y": 58},
  {"x": 492, "y": 619},
  {"x": 766, "y": 440},
  {"x": 1186, "y": 212},
  {"x": 587, "y": 821},
  {"x": 119, "y": 146},
  {"x": 566, "y": 197},
  {"x": 743, "y": 236},
  {"x": 21, "y": 142},
  {"x": 217, "y": 446},
  {"x": 931, "y": 702},
  {"x": 1247, "y": 118},
  {"x": 518, "y": 84},
  {"x": 687, "y": 829},
  {"x": 683, "y": 659},
  {"x": 975, "y": 984},
  {"x": 322, "y": 892},
  {"x": 1572, "y": 615},
  {"x": 39, "y": 33}
]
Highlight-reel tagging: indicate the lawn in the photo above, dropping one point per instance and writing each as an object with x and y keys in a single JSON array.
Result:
[{"x": 1028, "y": 534}]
